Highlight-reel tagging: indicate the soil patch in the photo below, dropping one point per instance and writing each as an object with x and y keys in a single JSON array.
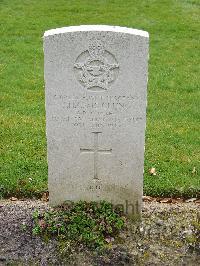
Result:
[{"x": 166, "y": 235}]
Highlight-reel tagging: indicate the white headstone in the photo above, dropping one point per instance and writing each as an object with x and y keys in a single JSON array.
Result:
[{"x": 96, "y": 85}]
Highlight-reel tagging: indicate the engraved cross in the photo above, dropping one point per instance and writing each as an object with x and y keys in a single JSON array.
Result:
[{"x": 96, "y": 151}]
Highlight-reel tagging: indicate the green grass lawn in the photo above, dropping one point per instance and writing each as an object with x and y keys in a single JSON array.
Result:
[{"x": 173, "y": 114}]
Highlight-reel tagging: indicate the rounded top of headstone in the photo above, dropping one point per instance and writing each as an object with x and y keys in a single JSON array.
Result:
[{"x": 96, "y": 28}]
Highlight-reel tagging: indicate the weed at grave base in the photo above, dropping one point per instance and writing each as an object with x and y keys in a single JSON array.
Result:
[{"x": 87, "y": 224}]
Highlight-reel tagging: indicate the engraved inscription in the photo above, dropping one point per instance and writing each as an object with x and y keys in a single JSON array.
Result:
[
  {"x": 96, "y": 151},
  {"x": 96, "y": 68},
  {"x": 96, "y": 111}
]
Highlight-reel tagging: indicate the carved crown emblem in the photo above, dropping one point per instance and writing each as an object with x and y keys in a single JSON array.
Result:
[{"x": 96, "y": 68}]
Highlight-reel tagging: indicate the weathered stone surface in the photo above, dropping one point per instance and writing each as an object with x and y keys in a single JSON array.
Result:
[{"x": 96, "y": 79}]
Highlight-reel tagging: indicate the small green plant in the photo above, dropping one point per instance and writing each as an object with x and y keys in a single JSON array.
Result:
[{"x": 84, "y": 223}]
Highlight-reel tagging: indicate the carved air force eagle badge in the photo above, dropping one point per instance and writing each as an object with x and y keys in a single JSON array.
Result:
[{"x": 96, "y": 68}]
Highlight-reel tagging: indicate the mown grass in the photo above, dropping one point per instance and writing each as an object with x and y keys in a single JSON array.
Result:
[{"x": 172, "y": 136}]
